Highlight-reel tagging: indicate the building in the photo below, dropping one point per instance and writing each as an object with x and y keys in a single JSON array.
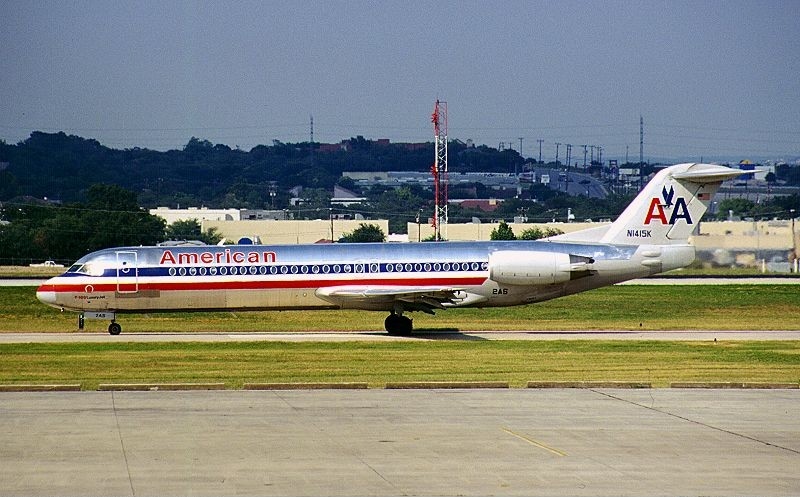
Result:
[
  {"x": 201, "y": 214},
  {"x": 345, "y": 198},
  {"x": 289, "y": 232},
  {"x": 197, "y": 213}
]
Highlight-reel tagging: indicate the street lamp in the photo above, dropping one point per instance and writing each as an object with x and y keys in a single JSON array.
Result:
[{"x": 419, "y": 228}]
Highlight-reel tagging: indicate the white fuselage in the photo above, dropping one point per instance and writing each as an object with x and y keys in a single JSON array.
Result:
[{"x": 147, "y": 279}]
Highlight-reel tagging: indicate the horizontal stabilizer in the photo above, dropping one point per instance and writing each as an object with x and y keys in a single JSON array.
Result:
[{"x": 708, "y": 173}]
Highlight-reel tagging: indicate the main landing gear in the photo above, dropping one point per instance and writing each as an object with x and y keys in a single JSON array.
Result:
[{"x": 397, "y": 324}]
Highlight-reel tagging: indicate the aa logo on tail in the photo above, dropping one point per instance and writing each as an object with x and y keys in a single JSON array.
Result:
[{"x": 675, "y": 207}]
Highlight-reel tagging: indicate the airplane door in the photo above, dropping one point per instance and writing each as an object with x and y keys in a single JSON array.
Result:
[{"x": 127, "y": 271}]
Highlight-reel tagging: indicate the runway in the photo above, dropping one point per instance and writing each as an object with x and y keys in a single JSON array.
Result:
[
  {"x": 382, "y": 442},
  {"x": 349, "y": 336}
]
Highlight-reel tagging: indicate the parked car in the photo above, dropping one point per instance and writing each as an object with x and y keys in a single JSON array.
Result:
[{"x": 47, "y": 264}]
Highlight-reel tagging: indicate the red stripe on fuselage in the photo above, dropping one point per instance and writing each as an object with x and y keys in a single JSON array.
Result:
[{"x": 263, "y": 284}]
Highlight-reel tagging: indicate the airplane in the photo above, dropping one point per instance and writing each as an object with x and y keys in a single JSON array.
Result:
[{"x": 649, "y": 237}]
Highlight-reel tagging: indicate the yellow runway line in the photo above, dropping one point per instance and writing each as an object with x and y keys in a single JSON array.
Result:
[{"x": 535, "y": 443}]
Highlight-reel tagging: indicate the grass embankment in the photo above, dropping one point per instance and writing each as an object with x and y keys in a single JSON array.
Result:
[
  {"x": 379, "y": 363},
  {"x": 673, "y": 307},
  {"x": 29, "y": 272}
]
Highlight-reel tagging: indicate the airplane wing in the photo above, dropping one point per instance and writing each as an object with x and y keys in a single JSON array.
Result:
[{"x": 424, "y": 299}]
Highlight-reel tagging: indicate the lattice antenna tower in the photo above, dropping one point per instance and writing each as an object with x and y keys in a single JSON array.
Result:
[{"x": 439, "y": 170}]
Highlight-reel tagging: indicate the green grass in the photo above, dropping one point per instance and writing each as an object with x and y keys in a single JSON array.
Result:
[
  {"x": 379, "y": 363},
  {"x": 723, "y": 272},
  {"x": 682, "y": 307},
  {"x": 673, "y": 307}
]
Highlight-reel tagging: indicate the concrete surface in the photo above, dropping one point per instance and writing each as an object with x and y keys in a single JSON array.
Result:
[{"x": 402, "y": 442}]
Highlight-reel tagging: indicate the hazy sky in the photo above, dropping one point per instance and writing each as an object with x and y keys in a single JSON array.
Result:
[{"x": 710, "y": 78}]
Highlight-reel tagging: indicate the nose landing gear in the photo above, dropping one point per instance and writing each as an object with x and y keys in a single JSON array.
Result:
[{"x": 114, "y": 328}]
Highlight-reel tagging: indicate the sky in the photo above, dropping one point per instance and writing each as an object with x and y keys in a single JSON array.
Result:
[{"x": 711, "y": 80}]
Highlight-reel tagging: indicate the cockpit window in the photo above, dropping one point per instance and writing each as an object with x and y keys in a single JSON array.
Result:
[
  {"x": 76, "y": 268},
  {"x": 89, "y": 268}
]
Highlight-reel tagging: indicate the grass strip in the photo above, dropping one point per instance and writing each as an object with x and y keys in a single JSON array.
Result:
[
  {"x": 380, "y": 363},
  {"x": 672, "y": 307}
]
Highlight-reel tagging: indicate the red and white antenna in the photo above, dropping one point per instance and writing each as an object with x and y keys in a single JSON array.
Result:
[{"x": 439, "y": 170}]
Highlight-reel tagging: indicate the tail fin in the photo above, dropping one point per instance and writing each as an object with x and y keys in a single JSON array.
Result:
[{"x": 667, "y": 209}]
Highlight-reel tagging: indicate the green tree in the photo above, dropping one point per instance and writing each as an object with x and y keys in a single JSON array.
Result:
[
  {"x": 197, "y": 150},
  {"x": 537, "y": 233},
  {"x": 503, "y": 232},
  {"x": 112, "y": 218},
  {"x": 364, "y": 233},
  {"x": 739, "y": 206},
  {"x": 432, "y": 238},
  {"x": 316, "y": 204},
  {"x": 397, "y": 206},
  {"x": 8, "y": 185},
  {"x": 109, "y": 219},
  {"x": 111, "y": 198},
  {"x": 190, "y": 229}
]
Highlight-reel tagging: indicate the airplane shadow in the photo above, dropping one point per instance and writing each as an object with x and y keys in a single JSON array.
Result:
[{"x": 443, "y": 334}]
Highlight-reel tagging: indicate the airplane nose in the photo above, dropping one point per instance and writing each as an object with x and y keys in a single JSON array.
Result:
[{"x": 46, "y": 294}]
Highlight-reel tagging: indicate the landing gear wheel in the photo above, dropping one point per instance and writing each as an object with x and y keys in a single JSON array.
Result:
[
  {"x": 115, "y": 328},
  {"x": 398, "y": 325}
]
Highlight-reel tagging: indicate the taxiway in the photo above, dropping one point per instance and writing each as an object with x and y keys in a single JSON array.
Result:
[{"x": 382, "y": 442}]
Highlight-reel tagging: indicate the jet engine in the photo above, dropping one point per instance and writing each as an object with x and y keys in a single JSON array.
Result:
[{"x": 522, "y": 267}]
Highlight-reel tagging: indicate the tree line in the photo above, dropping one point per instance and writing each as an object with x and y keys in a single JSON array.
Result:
[
  {"x": 62, "y": 167},
  {"x": 40, "y": 231}
]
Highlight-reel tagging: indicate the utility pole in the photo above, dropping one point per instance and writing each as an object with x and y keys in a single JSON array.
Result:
[
  {"x": 569, "y": 162},
  {"x": 419, "y": 228},
  {"x": 311, "y": 145},
  {"x": 520, "y": 146},
  {"x": 641, "y": 149},
  {"x": 591, "y": 157},
  {"x": 330, "y": 213},
  {"x": 585, "y": 148},
  {"x": 569, "y": 155},
  {"x": 540, "y": 149},
  {"x": 557, "y": 145}
]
